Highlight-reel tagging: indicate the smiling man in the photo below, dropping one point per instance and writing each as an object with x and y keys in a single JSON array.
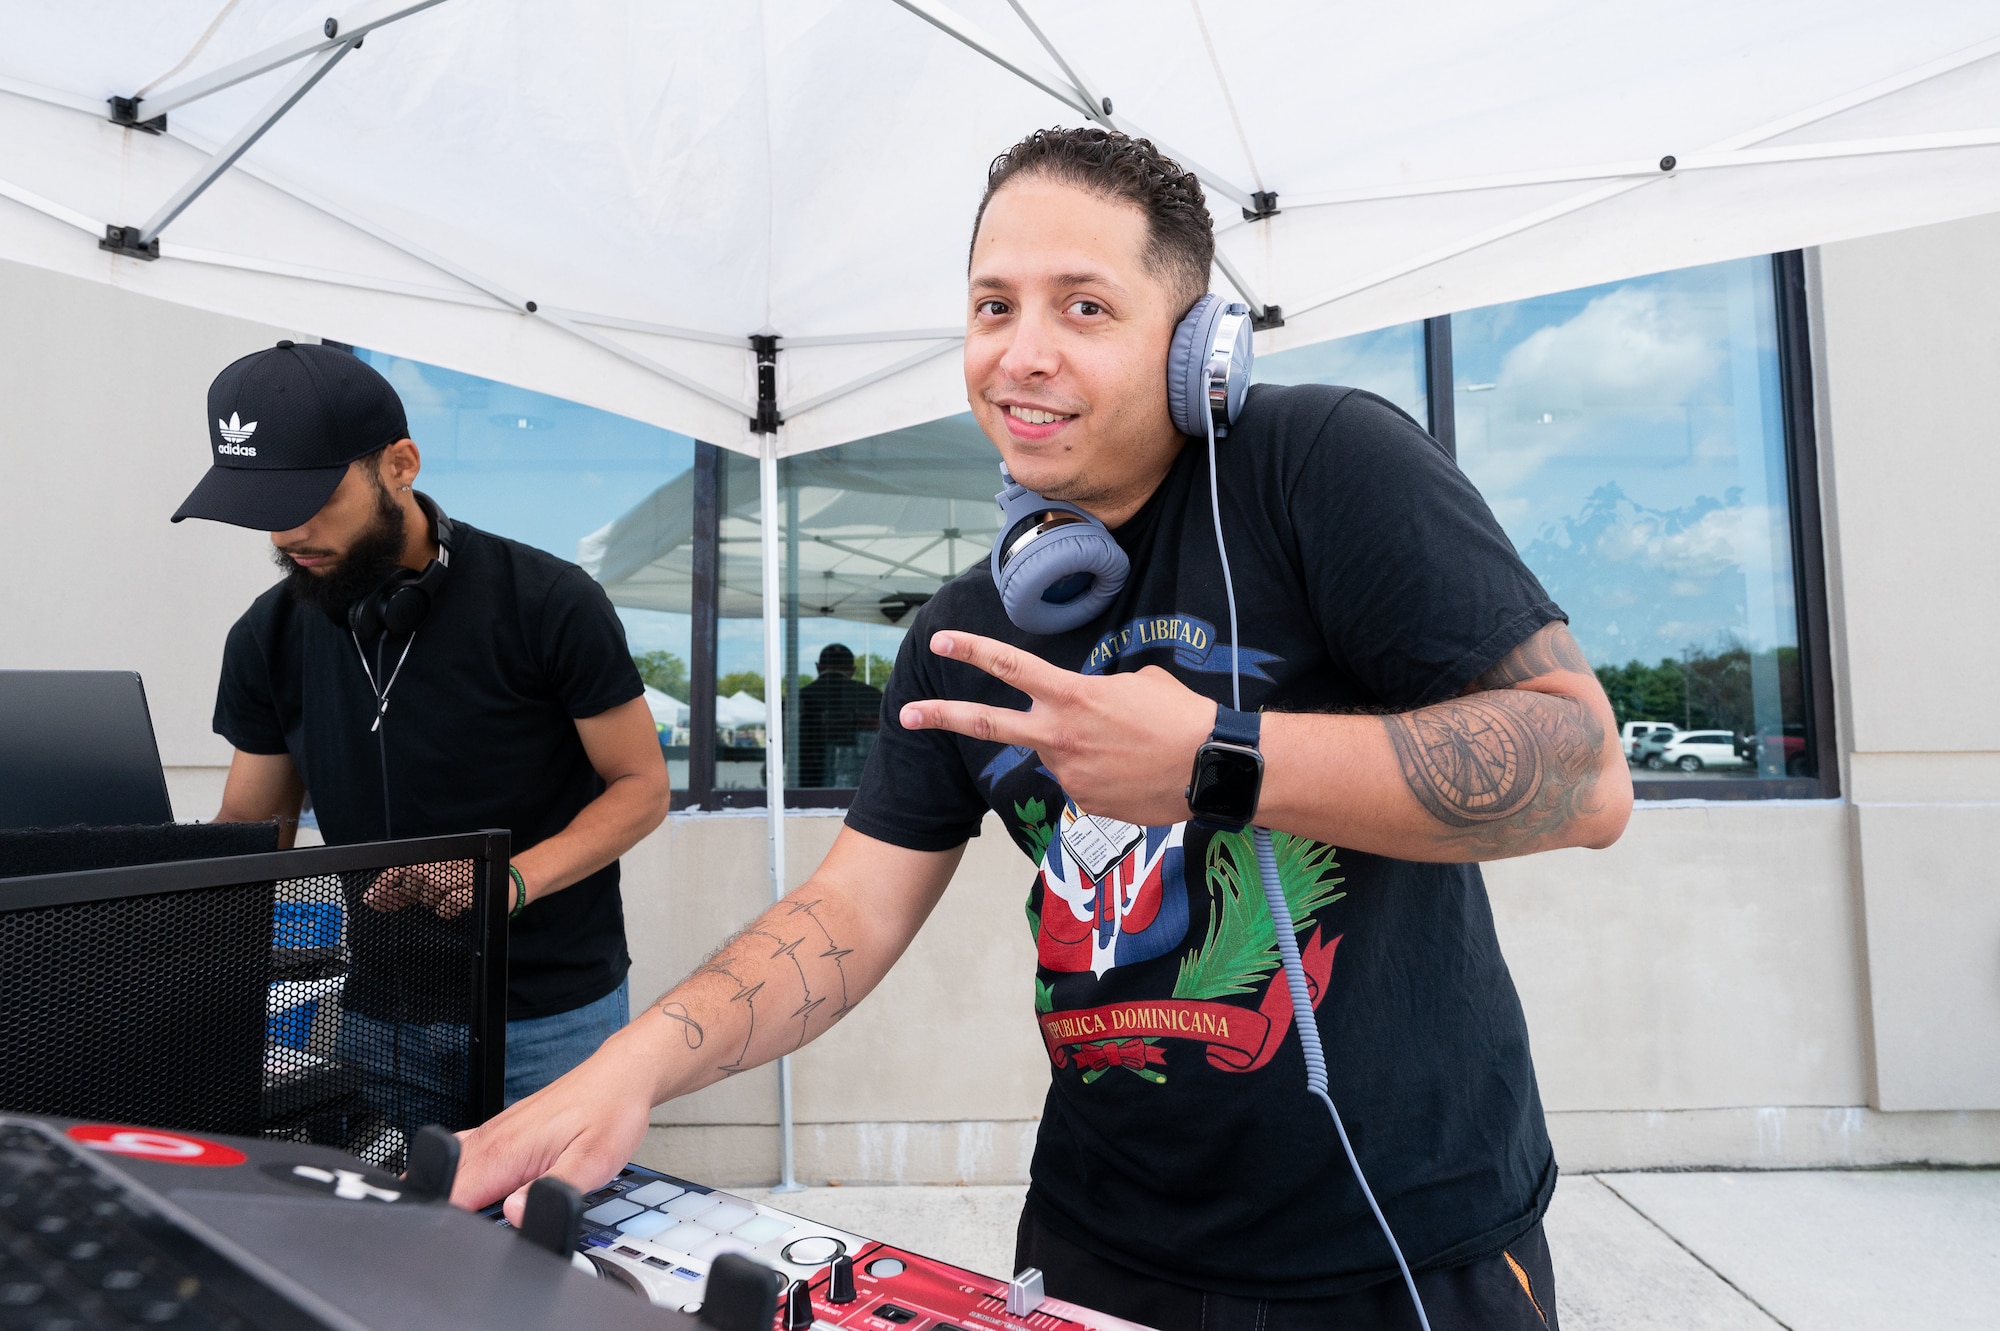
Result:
[
  {"x": 499, "y": 693},
  {"x": 1419, "y": 706}
]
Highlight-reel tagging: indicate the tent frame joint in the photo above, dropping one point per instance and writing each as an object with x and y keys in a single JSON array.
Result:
[
  {"x": 1263, "y": 204},
  {"x": 767, "y": 420},
  {"x": 1270, "y": 316},
  {"x": 125, "y": 111},
  {"x": 125, "y": 240}
]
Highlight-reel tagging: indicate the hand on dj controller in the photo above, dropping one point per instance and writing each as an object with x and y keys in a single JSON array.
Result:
[
  {"x": 416, "y": 885},
  {"x": 582, "y": 1128},
  {"x": 1121, "y": 745}
]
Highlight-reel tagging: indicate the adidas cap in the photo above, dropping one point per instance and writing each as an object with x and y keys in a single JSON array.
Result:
[{"x": 282, "y": 426}]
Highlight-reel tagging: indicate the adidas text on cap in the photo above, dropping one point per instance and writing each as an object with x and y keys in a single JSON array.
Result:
[{"x": 282, "y": 426}]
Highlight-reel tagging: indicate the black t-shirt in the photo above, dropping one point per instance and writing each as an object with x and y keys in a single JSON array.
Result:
[
  {"x": 481, "y": 732},
  {"x": 1178, "y": 1137}
]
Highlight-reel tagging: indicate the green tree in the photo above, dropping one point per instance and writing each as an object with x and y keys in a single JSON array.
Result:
[
  {"x": 741, "y": 681},
  {"x": 663, "y": 671},
  {"x": 1705, "y": 690},
  {"x": 872, "y": 669}
]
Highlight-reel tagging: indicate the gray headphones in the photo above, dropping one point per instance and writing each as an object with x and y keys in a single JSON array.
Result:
[{"x": 1057, "y": 567}]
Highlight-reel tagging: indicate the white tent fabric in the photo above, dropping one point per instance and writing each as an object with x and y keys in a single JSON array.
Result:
[
  {"x": 885, "y": 521},
  {"x": 663, "y": 179},
  {"x": 668, "y": 711}
]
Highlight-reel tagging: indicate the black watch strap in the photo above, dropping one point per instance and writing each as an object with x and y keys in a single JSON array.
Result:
[{"x": 1234, "y": 727}]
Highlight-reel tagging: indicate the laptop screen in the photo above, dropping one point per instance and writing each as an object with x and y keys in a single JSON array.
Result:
[{"x": 76, "y": 746}]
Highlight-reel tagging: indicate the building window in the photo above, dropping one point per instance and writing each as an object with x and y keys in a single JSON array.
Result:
[
  {"x": 1388, "y": 363},
  {"x": 563, "y": 477},
  {"x": 1646, "y": 444},
  {"x": 1636, "y": 442}
]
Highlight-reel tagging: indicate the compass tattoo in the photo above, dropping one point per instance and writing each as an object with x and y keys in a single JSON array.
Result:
[{"x": 1500, "y": 763}]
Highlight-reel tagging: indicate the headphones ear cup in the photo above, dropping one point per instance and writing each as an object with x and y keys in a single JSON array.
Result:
[
  {"x": 364, "y": 617},
  {"x": 404, "y": 608},
  {"x": 1080, "y": 566},
  {"x": 1187, "y": 402}
]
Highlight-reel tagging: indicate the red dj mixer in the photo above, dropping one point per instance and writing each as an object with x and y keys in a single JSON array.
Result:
[{"x": 658, "y": 1235}]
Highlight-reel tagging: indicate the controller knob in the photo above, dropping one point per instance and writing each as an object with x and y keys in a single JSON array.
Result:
[
  {"x": 840, "y": 1280},
  {"x": 798, "y": 1306}
]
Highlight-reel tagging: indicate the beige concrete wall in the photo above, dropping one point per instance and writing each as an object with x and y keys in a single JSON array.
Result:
[
  {"x": 103, "y": 397},
  {"x": 1908, "y": 337}
]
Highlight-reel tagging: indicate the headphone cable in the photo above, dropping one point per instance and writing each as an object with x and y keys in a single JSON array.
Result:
[{"x": 1281, "y": 914}]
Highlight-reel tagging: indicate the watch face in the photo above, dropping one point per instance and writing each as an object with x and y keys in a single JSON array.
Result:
[{"x": 1227, "y": 778}]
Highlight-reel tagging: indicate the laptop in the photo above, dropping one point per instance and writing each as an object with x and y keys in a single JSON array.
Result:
[{"x": 77, "y": 747}]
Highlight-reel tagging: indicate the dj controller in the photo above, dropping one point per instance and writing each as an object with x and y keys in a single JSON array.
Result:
[
  {"x": 660, "y": 1236},
  {"x": 105, "y": 1225}
]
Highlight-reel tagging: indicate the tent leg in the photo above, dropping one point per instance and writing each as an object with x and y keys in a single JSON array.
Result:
[{"x": 774, "y": 755}]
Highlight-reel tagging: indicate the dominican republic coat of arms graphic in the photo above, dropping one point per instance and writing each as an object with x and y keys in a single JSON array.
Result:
[{"x": 1113, "y": 894}]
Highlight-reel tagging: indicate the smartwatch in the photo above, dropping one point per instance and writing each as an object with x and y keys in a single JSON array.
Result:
[{"x": 1228, "y": 772}]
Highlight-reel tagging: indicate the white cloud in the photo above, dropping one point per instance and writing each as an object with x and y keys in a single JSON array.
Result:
[{"x": 1635, "y": 344}]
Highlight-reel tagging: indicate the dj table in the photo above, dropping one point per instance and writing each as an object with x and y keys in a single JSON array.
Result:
[{"x": 659, "y": 1236}]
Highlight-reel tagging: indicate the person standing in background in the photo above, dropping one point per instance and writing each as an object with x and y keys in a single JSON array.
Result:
[{"x": 515, "y": 700}]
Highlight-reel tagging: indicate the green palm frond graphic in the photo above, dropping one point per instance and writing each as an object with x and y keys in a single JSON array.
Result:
[{"x": 1240, "y": 949}]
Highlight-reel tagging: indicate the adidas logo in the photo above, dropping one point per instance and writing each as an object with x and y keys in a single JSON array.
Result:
[{"x": 235, "y": 432}]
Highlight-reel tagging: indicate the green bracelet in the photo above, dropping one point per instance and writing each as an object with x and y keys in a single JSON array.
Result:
[{"x": 520, "y": 891}]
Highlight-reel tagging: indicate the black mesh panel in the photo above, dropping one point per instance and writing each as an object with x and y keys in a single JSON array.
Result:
[{"x": 335, "y": 1009}]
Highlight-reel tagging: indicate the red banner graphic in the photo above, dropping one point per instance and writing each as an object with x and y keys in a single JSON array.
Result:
[{"x": 1238, "y": 1039}]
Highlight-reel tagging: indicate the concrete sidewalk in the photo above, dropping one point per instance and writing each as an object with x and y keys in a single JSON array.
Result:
[{"x": 1806, "y": 1251}]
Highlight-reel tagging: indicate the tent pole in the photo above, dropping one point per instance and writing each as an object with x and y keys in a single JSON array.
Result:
[
  {"x": 774, "y": 755},
  {"x": 225, "y": 157},
  {"x": 339, "y": 30},
  {"x": 1064, "y": 90}
]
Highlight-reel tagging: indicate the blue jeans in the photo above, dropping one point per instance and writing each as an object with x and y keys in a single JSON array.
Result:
[
  {"x": 415, "y": 1074},
  {"x": 540, "y": 1049}
]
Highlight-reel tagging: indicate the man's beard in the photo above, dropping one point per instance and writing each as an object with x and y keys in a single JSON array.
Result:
[{"x": 376, "y": 553}]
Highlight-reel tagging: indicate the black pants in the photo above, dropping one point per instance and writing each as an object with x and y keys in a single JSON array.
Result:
[{"x": 1511, "y": 1291}]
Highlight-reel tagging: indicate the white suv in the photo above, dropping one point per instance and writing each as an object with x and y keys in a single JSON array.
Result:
[
  {"x": 1637, "y": 732},
  {"x": 1697, "y": 749}
]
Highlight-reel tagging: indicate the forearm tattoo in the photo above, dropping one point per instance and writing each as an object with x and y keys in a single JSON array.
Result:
[
  {"x": 1504, "y": 767},
  {"x": 788, "y": 973}
]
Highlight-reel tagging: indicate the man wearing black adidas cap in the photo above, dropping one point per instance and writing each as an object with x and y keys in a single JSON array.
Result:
[{"x": 515, "y": 701}]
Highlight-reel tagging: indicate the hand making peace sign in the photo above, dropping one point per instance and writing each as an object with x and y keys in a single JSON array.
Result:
[{"x": 1121, "y": 745}]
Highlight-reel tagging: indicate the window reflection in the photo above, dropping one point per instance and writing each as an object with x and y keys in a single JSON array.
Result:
[
  {"x": 1630, "y": 439},
  {"x": 1388, "y": 362},
  {"x": 870, "y": 531},
  {"x": 557, "y": 475}
]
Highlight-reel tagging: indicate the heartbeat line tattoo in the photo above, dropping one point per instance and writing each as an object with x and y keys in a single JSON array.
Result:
[
  {"x": 745, "y": 994},
  {"x": 747, "y": 960},
  {"x": 834, "y": 952}
]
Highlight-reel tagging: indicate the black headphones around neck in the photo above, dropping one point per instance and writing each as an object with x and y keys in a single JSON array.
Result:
[{"x": 401, "y": 604}]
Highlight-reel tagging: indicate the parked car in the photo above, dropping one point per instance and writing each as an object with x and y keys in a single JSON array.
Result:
[
  {"x": 1637, "y": 732},
  {"x": 1647, "y": 751},
  {"x": 1787, "y": 750},
  {"x": 1694, "y": 750}
]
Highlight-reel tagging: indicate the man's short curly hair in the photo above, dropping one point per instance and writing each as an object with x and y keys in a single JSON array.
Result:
[{"x": 1180, "y": 244}]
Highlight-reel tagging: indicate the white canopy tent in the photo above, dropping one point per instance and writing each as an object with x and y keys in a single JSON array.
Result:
[{"x": 747, "y": 222}]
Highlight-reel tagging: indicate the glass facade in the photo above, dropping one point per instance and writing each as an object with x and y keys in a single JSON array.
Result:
[
  {"x": 567, "y": 479},
  {"x": 1388, "y": 362},
  {"x": 1631, "y": 438}
]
